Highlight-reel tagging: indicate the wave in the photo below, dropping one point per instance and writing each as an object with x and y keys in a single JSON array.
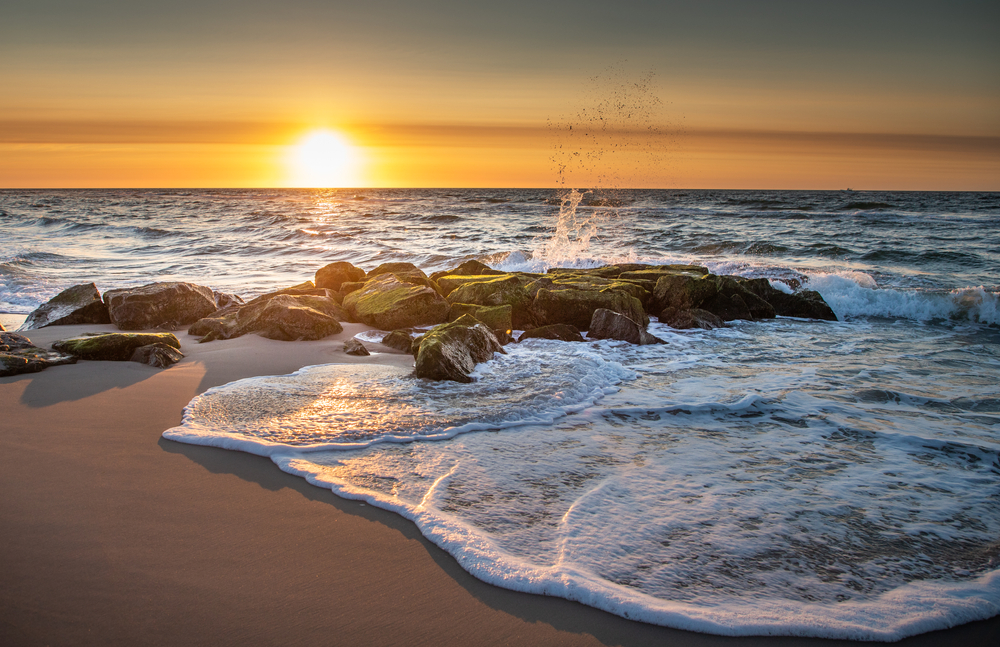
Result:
[
  {"x": 866, "y": 206},
  {"x": 856, "y": 294}
]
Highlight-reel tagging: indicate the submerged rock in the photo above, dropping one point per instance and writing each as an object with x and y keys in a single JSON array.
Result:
[
  {"x": 607, "y": 324},
  {"x": 387, "y": 302},
  {"x": 399, "y": 340},
  {"x": 452, "y": 350},
  {"x": 159, "y": 355},
  {"x": 112, "y": 346},
  {"x": 80, "y": 304},
  {"x": 159, "y": 305},
  {"x": 561, "y": 332},
  {"x": 18, "y": 355},
  {"x": 355, "y": 347},
  {"x": 334, "y": 275}
]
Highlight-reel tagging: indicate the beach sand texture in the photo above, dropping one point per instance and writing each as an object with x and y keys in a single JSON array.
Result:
[{"x": 111, "y": 535}]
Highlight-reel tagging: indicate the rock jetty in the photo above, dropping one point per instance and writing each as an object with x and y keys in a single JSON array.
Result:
[{"x": 473, "y": 308}]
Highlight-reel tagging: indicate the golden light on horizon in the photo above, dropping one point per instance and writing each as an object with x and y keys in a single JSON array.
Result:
[{"x": 324, "y": 159}]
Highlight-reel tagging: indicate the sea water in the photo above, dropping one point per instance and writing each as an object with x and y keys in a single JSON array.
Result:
[{"x": 784, "y": 477}]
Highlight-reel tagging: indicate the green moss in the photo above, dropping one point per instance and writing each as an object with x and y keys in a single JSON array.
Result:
[{"x": 117, "y": 347}]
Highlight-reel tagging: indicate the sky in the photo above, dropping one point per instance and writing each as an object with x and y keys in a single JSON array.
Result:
[{"x": 713, "y": 94}]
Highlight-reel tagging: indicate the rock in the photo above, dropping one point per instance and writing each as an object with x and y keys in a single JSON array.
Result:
[
  {"x": 285, "y": 318},
  {"x": 396, "y": 268},
  {"x": 693, "y": 318},
  {"x": 498, "y": 291},
  {"x": 561, "y": 332},
  {"x": 167, "y": 305},
  {"x": 112, "y": 346},
  {"x": 399, "y": 340},
  {"x": 468, "y": 268},
  {"x": 355, "y": 347},
  {"x": 2, "y": 329},
  {"x": 334, "y": 275},
  {"x": 723, "y": 296},
  {"x": 18, "y": 355},
  {"x": 806, "y": 304},
  {"x": 605, "y": 271},
  {"x": 496, "y": 317},
  {"x": 386, "y": 302},
  {"x": 577, "y": 307},
  {"x": 159, "y": 355},
  {"x": 607, "y": 324},
  {"x": 224, "y": 300},
  {"x": 452, "y": 350},
  {"x": 302, "y": 289},
  {"x": 80, "y": 304}
]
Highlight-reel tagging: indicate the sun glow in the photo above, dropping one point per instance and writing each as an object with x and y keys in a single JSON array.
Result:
[{"x": 324, "y": 159}]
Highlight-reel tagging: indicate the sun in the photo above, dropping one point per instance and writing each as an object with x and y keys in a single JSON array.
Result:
[{"x": 324, "y": 159}]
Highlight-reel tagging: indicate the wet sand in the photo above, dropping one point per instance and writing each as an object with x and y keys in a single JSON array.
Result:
[{"x": 111, "y": 535}]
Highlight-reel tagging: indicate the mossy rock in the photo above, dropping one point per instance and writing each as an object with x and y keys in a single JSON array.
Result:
[
  {"x": 497, "y": 291},
  {"x": 287, "y": 318},
  {"x": 559, "y": 332},
  {"x": 388, "y": 303},
  {"x": 470, "y": 267},
  {"x": 605, "y": 271},
  {"x": 496, "y": 317},
  {"x": 452, "y": 350},
  {"x": 18, "y": 355},
  {"x": 577, "y": 307},
  {"x": 395, "y": 268},
  {"x": 113, "y": 347}
]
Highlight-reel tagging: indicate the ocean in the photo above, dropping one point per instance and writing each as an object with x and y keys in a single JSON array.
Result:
[{"x": 784, "y": 477}]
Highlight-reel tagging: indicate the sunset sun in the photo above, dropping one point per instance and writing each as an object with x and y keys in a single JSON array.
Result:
[{"x": 323, "y": 158}]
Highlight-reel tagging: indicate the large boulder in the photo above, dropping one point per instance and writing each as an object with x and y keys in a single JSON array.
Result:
[
  {"x": 159, "y": 305},
  {"x": 806, "y": 304},
  {"x": 18, "y": 355},
  {"x": 577, "y": 307},
  {"x": 607, "y": 324},
  {"x": 723, "y": 296},
  {"x": 561, "y": 332},
  {"x": 496, "y": 317},
  {"x": 387, "y": 302},
  {"x": 452, "y": 350},
  {"x": 284, "y": 318},
  {"x": 80, "y": 304},
  {"x": 334, "y": 275},
  {"x": 112, "y": 346},
  {"x": 502, "y": 290}
]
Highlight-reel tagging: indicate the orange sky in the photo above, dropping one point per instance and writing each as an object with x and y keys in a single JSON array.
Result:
[{"x": 214, "y": 93}]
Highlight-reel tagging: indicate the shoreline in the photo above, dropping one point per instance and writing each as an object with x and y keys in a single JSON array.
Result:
[{"x": 114, "y": 535}]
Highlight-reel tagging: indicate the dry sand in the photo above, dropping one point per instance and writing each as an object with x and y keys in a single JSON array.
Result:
[{"x": 111, "y": 535}]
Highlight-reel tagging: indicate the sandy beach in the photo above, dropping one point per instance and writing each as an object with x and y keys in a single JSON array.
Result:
[{"x": 112, "y": 535}]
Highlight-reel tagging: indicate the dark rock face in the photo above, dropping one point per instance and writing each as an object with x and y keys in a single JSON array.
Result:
[
  {"x": 355, "y": 347},
  {"x": 159, "y": 355},
  {"x": 452, "y": 350},
  {"x": 386, "y": 302},
  {"x": 112, "y": 346},
  {"x": 693, "y": 318},
  {"x": 723, "y": 296},
  {"x": 334, "y": 275},
  {"x": 577, "y": 307},
  {"x": 607, "y": 324},
  {"x": 166, "y": 305},
  {"x": 561, "y": 332},
  {"x": 806, "y": 304},
  {"x": 80, "y": 304},
  {"x": 18, "y": 355},
  {"x": 496, "y": 317},
  {"x": 399, "y": 340}
]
